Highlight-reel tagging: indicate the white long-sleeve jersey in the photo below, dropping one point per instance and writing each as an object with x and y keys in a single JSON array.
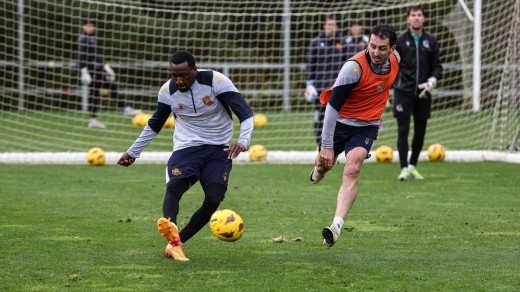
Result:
[{"x": 203, "y": 114}]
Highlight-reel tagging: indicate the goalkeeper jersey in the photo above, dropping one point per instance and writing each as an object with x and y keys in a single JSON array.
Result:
[{"x": 203, "y": 114}]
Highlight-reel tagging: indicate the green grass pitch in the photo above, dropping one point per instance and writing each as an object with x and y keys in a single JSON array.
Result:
[{"x": 88, "y": 228}]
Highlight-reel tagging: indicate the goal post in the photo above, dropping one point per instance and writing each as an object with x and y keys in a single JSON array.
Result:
[{"x": 261, "y": 46}]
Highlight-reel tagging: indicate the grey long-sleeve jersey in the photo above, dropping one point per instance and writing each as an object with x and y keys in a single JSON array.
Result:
[
  {"x": 346, "y": 81},
  {"x": 203, "y": 114}
]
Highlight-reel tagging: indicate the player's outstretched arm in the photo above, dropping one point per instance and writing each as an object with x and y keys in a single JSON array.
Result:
[{"x": 125, "y": 160}]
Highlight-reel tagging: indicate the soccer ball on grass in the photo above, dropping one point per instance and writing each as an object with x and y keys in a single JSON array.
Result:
[
  {"x": 257, "y": 153},
  {"x": 436, "y": 152},
  {"x": 96, "y": 156},
  {"x": 226, "y": 225},
  {"x": 384, "y": 154}
]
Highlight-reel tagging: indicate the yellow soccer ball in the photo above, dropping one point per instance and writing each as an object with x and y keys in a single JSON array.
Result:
[
  {"x": 141, "y": 119},
  {"x": 170, "y": 122},
  {"x": 436, "y": 152},
  {"x": 96, "y": 156},
  {"x": 257, "y": 153},
  {"x": 259, "y": 121},
  {"x": 105, "y": 92},
  {"x": 384, "y": 154},
  {"x": 226, "y": 225}
]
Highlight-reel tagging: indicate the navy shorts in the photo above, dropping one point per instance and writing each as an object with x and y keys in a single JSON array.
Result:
[
  {"x": 348, "y": 137},
  {"x": 208, "y": 163}
]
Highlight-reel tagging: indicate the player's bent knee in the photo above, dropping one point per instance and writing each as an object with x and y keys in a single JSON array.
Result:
[
  {"x": 214, "y": 194},
  {"x": 176, "y": 185}
]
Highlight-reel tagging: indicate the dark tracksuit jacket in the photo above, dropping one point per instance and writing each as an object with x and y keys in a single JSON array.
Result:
[
  {"x": 325, "y": 57},
  {"x": 418, "y": 63}
]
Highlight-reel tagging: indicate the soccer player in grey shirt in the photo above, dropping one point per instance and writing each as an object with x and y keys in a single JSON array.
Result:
[
  {"x": 202, "y": 102},
  {"x": 354, "y": 109}
]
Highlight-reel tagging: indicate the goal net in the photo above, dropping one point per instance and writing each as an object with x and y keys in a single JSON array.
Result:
[{"x": 260, "y": 45}]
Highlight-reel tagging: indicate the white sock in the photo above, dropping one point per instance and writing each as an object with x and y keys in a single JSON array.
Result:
[
  {"x": 411, "y": 166},
  {"x": 338, "y": 223}
]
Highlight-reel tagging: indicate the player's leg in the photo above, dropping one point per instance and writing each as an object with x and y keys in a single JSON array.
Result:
[
  {"x": 421, "y": 114},
  {"x": 403, "y": 129},
  {"x": 356, "y": 149},
  {"x": 319, "y": 170},
  {"x": 214, "y": 178},
  {"x": 114, "y": 94},
  {"x": 181, "y": 173},
  {"x": 121, "y": 102},
  {"x": 167, "y": 225},
  {"x": 95, "y": 100},
  {"x": 319, "y": 115},
  {"x": 402, "y": 109},
  {"x": 213, "y": 196},
  {"x": 174, "y": 191}
]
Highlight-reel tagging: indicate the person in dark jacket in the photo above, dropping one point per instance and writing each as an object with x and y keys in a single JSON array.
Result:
[
  {"x": 96, "y": 74},
  {"x": 325, "y": 56},
  {"x": 356, "y": 41},
  {"x": 420, "y": 69}
]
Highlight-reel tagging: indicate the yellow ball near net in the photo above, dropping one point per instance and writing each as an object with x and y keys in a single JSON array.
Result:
[
  {"x": 96, "y": 156},
  {"x": 259, "y": 121}
]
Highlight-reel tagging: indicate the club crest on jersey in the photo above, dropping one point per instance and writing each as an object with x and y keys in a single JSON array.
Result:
[
  {"x": 180, "y": 106},
  {"x": 426, "y": 44},
  {"x": 176, "y": 172},
  {"x": 225, "y": 176},
  {"x": 380, "y": 88},
  {"x": 207, "y": 100},
  {"x": 367, "y": 141}
]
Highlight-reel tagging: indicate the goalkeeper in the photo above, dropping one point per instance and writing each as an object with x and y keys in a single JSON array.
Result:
[
  {"x": 420, "y": 69},
  {"x": 96, "y": 74}
]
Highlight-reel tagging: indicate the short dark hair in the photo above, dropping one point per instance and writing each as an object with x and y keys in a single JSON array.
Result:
[
  {"x": 385, "y": 31},
  {"x": 182, "y": 56},
  {"x": 332, "y": 16},
  {"x": 87, "y": 21},
  {"x": 415, "y": 8}
]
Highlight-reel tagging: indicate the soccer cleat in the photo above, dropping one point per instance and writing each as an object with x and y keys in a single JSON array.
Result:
[
  {"x": 315, "y": 177},
  {"x": 169, "y": 231},
  {"x": 175, "y": 252},
  {"x": 415, "y": 174},
  {"x": 94, "y": 123},
  {"x": 404, "y": 175},
  {"x": 330, "y": 236},
  {"x": 131, "y": 112}
]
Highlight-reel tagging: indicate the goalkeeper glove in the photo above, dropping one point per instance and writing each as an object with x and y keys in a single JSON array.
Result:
[
  {"x": 311, "y": 94},
  {"x": 86, "y": 79},
  {"x": 427, "y": 87},
  {"x": 110, "y": 74}
]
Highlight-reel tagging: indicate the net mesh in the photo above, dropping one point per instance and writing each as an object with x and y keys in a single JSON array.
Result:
[{"x": 260, "y": 45}]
